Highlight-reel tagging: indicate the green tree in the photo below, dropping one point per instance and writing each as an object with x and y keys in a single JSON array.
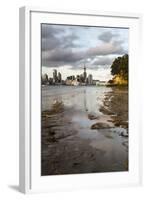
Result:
[{"x": 120, "y": 67}]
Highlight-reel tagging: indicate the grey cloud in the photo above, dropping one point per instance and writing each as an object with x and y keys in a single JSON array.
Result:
[
  {"x": 64, "y": 56},
  {"x": 53, "y": 37},
  {"x": 59, "y": 44},
  {"x": 106, "y": 49},
  {"x": 50, "y": 43},
  {"x": 103, "y": 61},
  {"x": 49, "y": 31},
  {"x": 106, "y": 36},
  {"x": 59, "y": 57},
  {"x": 69, "y": 41},
  {"x": 100, "y": 61},
  {"x": 48, "y": 37}
]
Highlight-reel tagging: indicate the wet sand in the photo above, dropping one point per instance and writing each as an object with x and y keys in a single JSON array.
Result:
[{"x": 84, "y": 130}]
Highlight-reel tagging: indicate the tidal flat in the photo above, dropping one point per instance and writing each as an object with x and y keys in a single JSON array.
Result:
[{"x": 84, "y": 129}]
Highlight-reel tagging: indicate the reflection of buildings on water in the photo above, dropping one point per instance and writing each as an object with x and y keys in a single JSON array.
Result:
[
  {"x": 90, "y": 79},
  {"x": 85, "y": 101}
]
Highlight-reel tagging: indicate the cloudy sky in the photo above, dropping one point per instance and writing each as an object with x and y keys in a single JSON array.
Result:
[{"x": 68, "y": 48}]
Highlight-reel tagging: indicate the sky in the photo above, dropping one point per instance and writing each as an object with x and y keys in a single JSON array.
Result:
[{"x": 68, "y": 48}]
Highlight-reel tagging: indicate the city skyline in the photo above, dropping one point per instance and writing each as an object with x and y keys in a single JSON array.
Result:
[
  {"x": 57, "y": 75},
  {"x": 100, "y": 75},
  {"x": 67, "y": 48},
  {"x": 82, "y": 79}
]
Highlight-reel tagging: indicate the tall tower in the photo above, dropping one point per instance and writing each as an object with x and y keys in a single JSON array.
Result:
[{"x": 85, "y": 74}]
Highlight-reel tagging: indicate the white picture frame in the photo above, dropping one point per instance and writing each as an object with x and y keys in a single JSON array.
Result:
[{"x": 29, "y": 160}]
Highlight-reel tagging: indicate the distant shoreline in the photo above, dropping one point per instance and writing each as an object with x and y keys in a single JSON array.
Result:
[{"x": 108, "y": 85}]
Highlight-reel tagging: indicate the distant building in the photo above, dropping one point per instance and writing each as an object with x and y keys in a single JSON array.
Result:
[
  {"x": 101, "y": 83},
  {"x": 59, "y": 77},
  {"x": 82, "y": 78},
  {"x": 50, "y": 81},
  {"x": 94, "y": 82},
  {"x": 75, "y": 82},
  {"x": 71, "y": 78},
  {"x": 90, "y": 79},
  {"x": 78, "y": 78},
  {"x": 44, "y": 78},
  {"x": 55, "y": 76}
]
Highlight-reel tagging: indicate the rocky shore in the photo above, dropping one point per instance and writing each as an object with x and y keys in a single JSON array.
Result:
[{"x": 117, "y": 103}]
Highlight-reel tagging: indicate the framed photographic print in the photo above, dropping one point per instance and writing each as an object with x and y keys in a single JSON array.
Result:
[{"x": 79, "y": 94}]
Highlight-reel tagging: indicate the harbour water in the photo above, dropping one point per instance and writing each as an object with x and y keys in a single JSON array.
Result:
[{"x": 84, "y": 129}]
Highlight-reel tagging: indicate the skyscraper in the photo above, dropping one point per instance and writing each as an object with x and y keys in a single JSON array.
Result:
[
  {"x": 59, "y": 77},
  {"x": 55, "y": 75},
  {"x": 44, "y": 78},
  {"x": 84, "y": 74}
]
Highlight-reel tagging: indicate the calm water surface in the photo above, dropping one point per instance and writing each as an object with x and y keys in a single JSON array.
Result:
[{"x": 81, "y": 98}]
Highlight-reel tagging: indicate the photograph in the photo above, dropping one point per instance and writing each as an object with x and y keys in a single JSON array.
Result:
[{"x": 84, "y": 99}]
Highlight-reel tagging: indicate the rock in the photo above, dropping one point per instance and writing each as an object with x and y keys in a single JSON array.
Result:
[
  {"x": 51, "y": 140},
  {"x": 110, "y": 120},
  {"x": 122, "y": 124},
  {"x": 92, "y": 116},
  {"x": 124, "y": 134},
  {"x": 106, "y": 111},
  {"x": 57, "y": 107},
  {"x": 51, "y": 132},
  {"x": 75, "y": 164},
  {"x": 100, "y": 125}
]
